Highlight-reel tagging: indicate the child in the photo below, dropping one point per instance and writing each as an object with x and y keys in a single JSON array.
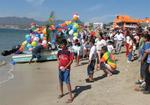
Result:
[
  {"x": 92, "y": 61},
  {"x": 77, "y": 51},
  {"x": 65, "y": 59},
  {"x": 110, "y": 46},
  {"x": 107, "y": 62}
]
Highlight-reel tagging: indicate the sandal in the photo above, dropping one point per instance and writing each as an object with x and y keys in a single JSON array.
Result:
[
  {"x": 60, "y": 96},
  {"x": 69, "y": 101}
]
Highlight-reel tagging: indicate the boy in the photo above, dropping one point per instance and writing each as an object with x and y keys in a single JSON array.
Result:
[
  {"x": 107, "y": 62},
  {"x": 65, "y": 59},
  {"x": 91, "y": 64}
]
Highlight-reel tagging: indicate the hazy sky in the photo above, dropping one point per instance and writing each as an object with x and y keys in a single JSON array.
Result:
[{"x": 89, "y": 10}]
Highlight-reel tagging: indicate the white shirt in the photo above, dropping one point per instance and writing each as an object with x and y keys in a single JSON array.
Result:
[
  {"x": 119, "y": 37},
  {"x": 92, "y": 54},
  {"x": 110, "y": 48},
  {"x": 100, "y": 44},
  {"x": 128, "y": 39}
]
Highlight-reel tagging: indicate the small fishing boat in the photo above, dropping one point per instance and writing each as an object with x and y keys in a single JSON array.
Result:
[{"x": 45, "y": 56}]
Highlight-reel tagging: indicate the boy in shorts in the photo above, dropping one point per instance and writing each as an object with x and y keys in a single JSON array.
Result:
[{"x": 65, "y": 59}]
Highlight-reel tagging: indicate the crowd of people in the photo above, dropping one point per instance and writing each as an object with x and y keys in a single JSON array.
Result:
[{"x": 100, "y": 49}]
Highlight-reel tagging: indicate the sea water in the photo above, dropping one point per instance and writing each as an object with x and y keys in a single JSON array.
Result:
[{"x": 8, "y": 39}]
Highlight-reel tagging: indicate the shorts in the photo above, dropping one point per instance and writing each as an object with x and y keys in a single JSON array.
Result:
[
  {"x": 64, "y": 76},
  {"x": 38, "y": 56},
  {"x": 90, "y": 68}
]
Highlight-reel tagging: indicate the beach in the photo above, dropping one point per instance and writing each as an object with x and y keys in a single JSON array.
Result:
[{"x": 37, "y": 84}]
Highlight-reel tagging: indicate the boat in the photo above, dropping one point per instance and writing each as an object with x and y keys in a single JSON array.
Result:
[{"x": 45, "y": 56}]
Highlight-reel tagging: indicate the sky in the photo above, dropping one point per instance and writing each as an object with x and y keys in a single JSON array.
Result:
[{"x": 88, "y": 10}]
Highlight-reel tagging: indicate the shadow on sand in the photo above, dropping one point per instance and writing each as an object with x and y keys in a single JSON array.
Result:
[
  {"x": 79, "y": 89},
  {"x": 103, "y": 76}
]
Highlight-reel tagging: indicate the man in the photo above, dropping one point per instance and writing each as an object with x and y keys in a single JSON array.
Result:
[
  {"x": 119, "y": 37},
  {"x": 36, "y": 53},
  {"x": 65, "y": 59}
]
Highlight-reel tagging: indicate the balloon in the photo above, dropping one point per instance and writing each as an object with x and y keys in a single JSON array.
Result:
[
  {"x": 29, "y": 45},
  {"x": 44, "y": 38},
  {"x": 70, "y": 27},
  {"x": 21, "y": 48},
  {"x": 44, "y": 42},
  {"x": 71, "y": 32},
  {"x": 24, "y": 43},
  {"x": 76, "y": 25},
  {"x": 41, "y": 36},
  {"x": 36, "y": 39},
  {"x": 27, "y": 36},
  {"x": 74, "y": 30},
  {"x": 75, "y": 34},
  {"x": 34, "y": 43},
  {"x": 74, "y": 38},
  {"x": 44, "y": 31},
  {"x": 52, "y": 27},
  {"x": 28, "y": 39},
  {"x": 37, "y": 35},
  {"x": 75, "y": 17}
]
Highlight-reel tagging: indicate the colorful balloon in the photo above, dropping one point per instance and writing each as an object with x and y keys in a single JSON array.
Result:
[
  {"x": 34, "y": 43},
  {"x": 27, "y": 36},
  {"x": 71, "y": 32}
]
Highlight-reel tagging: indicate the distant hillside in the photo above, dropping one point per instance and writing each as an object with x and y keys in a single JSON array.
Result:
[{"x": 21, "y": 22}]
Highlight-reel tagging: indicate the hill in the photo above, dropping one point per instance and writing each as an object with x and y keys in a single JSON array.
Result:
[{"x": 21, "y": 22}]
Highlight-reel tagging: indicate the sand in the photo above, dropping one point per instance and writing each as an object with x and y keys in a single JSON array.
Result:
[{"x": 37, "y": 84}]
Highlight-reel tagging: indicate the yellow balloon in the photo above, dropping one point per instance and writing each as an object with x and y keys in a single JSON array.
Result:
[{"x": 24, "y": 43}]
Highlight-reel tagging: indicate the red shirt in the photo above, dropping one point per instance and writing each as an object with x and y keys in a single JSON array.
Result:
[{"x": 64, "y": 57}]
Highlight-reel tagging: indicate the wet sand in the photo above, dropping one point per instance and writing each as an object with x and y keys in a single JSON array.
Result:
[{"x": 37, "y": 84}]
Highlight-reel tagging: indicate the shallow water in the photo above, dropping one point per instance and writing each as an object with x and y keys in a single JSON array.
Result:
[{"x": 8, "y": 39}]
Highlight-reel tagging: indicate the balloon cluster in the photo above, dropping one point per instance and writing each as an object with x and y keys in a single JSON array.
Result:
[
  {"x": 72, "y": 26},
  {"x": 38, "y": 36},
  {"x": 35, "y": 38}
]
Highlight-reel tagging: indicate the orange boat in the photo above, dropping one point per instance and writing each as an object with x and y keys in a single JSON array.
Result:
[{"x": 128, "y": 22}]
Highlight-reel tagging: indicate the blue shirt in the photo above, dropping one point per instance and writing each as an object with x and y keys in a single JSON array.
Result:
[{"x": 144, "y": 48}]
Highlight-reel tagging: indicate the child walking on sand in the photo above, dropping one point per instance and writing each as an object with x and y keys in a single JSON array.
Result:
[{"x": 65, "y": 59}]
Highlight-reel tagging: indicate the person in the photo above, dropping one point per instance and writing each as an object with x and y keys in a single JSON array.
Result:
[
  {"x": 145, "y": 61},
  {"x": 142, "y": 48},
  {"x": 36, "y": 53},
  {"x": 92, "y": 61},
  {"x": 127, "y": 42},
  {"x": 65, "y": 59},
  {"x": 110, "y": 46},
  {"x": 107, "y": 62},
  {"x": 99, "y": 44},
  {"x": 119, "y": 41},
  {"x": 130, "y": 50},
  {"x": 77, "y": 51}
]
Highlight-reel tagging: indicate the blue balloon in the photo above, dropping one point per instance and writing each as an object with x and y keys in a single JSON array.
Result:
[
  {"x": 37, "y": 35},
  {"x": 29, "y": 40},
  {"x": 57, "y": 26},
  {"x": 70, "y": 27},
  {"x": 29, "y": 46},
  {"x": 27, "y": 36},
  {"x": 74, "y": 30}
]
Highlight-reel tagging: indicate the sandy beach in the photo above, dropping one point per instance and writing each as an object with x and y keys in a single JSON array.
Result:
[{"x": 37, "y": 84}]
